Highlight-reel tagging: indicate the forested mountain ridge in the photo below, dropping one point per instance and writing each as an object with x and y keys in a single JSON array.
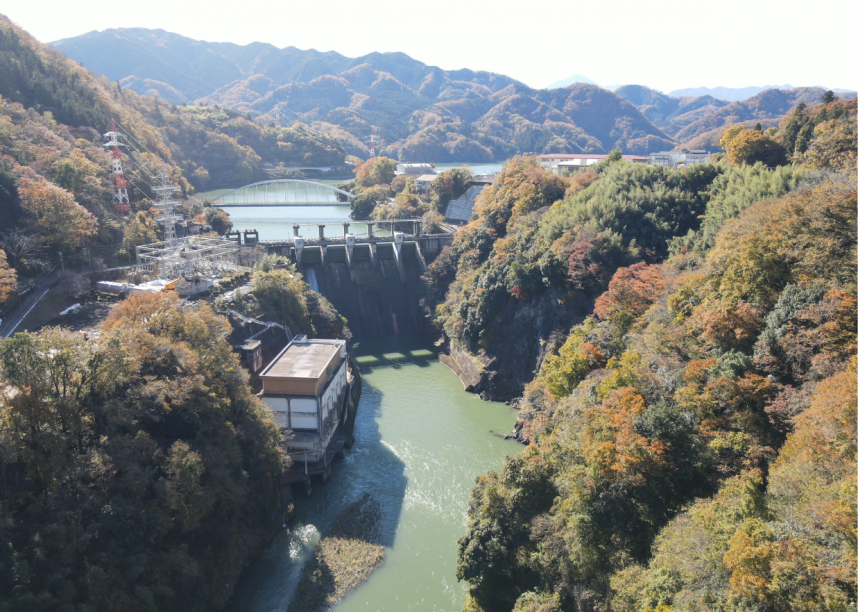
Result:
[
  {"x": 421, "y": 112},
  {"x": 698, "y": 122},
  {"x": 208, "y": 66}
]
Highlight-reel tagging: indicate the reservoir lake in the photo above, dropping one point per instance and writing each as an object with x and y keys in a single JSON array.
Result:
[{"x": 275, "y": 222}]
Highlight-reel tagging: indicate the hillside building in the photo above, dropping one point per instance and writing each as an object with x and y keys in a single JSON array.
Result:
[
  {"x": 679, "y": 157},
  {"x": 558, "y": 162},
  {"x": 424, "y": 182},
  {"x": 414, "y": 170},
  {"x": 461, "y": 209}
]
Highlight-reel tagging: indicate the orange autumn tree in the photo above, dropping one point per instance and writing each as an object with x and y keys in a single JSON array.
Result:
[
  {"x": 8, "y": 280},
  {"x": 55, "y": 215},
  {"x": 810, "y": 564},
  {"x": 631, "y": 291},
  {"x": 612, "y": 447}
]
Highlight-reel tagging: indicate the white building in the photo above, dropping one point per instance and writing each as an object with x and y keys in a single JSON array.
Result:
[
  {"x": 558, "y": 162},
  {"x": 414, "y": 170},
  {"x": 424, "y": 182},
  {"x": 679, "y": 157}
]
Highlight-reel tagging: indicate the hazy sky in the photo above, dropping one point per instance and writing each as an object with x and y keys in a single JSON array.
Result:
[{"x": 666, "y": 44}]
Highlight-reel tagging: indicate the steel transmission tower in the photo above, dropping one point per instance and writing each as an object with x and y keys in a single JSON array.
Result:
[
  {"x": 164, "y": 189},
  {"x": 372, "y": 142},
  {"x": 123, "y": 206}
]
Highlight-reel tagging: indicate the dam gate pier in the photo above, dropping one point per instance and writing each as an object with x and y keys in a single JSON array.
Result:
[{"x": 374, "y": 281}]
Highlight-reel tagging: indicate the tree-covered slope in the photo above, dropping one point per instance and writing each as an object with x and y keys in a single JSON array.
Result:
[
  {"x": 681, "y": 347},
  {"x": 57, "y": 192},
  {"x": 729, "y": 375},
  {"x": 139, "y": 472}
]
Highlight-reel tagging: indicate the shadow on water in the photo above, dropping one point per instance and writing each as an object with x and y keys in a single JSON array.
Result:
[
  {"x": 369, "y": 469},
  {"x": 420, "y": 357}
]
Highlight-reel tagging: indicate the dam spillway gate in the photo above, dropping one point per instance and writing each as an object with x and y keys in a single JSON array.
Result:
[{"x": 374, "y": 282}]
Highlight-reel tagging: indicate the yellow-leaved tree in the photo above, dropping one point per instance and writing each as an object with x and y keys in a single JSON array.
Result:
[
  {"x": 8, "y": 280},
  {"x": 55, "y": 215}
]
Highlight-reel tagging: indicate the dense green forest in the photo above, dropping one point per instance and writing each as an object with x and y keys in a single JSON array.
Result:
[
  {"x": 137, "y": 468},
  {"x": 692, "y": 442}
]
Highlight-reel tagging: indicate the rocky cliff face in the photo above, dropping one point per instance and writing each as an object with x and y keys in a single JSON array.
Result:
[{"x": 531, "y": 330}]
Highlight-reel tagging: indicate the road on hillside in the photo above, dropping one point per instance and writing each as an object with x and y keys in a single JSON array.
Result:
[{"x": 12, "y": 321}]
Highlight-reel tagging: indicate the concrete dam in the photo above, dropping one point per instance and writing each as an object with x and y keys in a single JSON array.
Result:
[{"x": 374, "y": 282}]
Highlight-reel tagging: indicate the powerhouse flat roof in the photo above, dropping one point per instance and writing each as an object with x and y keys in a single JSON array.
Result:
[{"x": 306, "y": 359}]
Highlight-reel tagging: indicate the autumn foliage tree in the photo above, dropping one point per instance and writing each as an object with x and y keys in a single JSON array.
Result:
[
  {"x": 142, "y": 229},
  {"x": 631, "y": 291},
  {"x": 8, "y": 280},
  {"x": 54, "y": 215},
  {"x": 375, "y": 171},
  {"x": 745, "y": 146},
  {"x": 138, "y": 469}
]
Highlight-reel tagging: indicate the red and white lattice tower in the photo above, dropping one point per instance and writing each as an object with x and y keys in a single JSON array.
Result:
[
  {"x": 122, "y": 206},
  {"x": 372, "y": 142}
]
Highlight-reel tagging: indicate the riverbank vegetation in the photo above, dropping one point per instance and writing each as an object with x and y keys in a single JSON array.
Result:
[
  {"x": 138, "y": 471},
  {"x": 692, "y": 441},
  {"x": 283, "y": 296},
  {"x": 343, "y": 559}
]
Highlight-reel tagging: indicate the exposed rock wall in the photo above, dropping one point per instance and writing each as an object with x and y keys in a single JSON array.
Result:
[{"x": 527, "y": 332}]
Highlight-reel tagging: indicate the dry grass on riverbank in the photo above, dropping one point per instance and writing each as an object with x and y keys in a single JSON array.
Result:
[{"x": 343, "y": 559}]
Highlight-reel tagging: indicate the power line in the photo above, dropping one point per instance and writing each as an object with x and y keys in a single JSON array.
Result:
[{"x": 140, "y": 144}]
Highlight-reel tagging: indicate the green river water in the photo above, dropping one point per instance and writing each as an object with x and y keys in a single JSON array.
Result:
[{"x": 420, "y": 441}]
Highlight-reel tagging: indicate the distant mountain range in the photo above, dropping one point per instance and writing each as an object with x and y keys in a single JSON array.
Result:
[
  {"x": 734, "y": 94},
  {"x": 579, "y": 78},
  {"x": 575, "y": 78},
  {"x": 728, "y": 94},
  {"x": 422, "y": 112},
  {"x": 697, "y": 122}
]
